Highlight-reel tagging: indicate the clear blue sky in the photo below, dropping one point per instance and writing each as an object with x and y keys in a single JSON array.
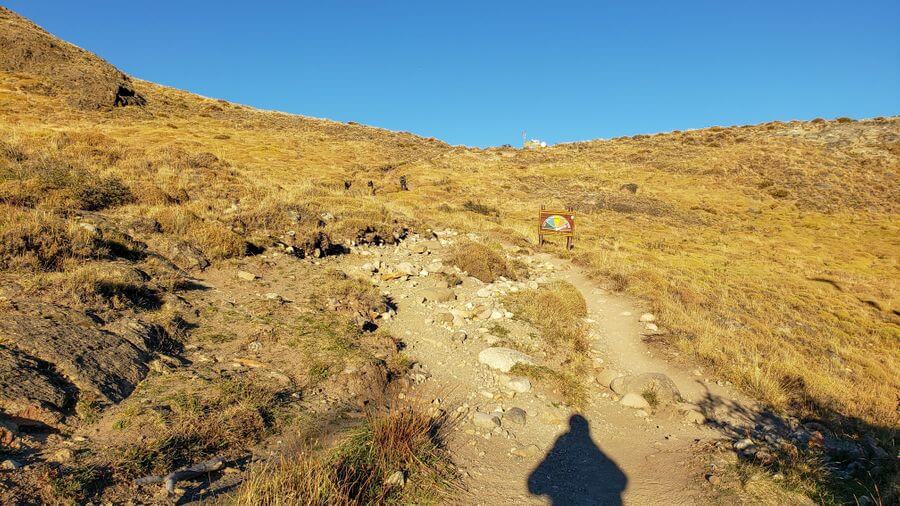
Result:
[{"x": 478, "y": 73}]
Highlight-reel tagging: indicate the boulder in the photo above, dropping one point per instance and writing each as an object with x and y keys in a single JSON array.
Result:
[
  {"x": 503, "y": 359},
  {"x": 633, "y": 400},
  {"x": 607, "y": 376},
  {"x": 663, "y": 387}
]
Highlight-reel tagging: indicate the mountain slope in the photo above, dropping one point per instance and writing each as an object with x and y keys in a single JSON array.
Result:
[{"x": 768, "y": 252}]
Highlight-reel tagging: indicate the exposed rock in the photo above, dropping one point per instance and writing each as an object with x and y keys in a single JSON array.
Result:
[
  {"x": 663, "y": 387},
  {"x": 438, "y": 295},
  {"x": 503, "y": 359},
  {"x": 94, "y": 360},
  {"x": 443, "y": 318},
  {"x": 31, "y": 390},
  {"x": 10, "y": 465},
  {"x": 743, "y": 444},
  {"x": 407, "y": 269},
  {"x": 647, "y": 317},
  {"x": 359, "y": 383},
  {"x": 525, "y": 451},
  {"x": 459, "y": 336},
  {"x": 486, "y": 420},
  {"x": 515, "y": 415},
  {"x": 246, "y": 276},
  {"x": 397, "y": 478},
  {"x": 188, "y": 257},
  {"x": 519, "y": 384},
  {"x": 633, "y": 400},
  {"x": 606, "y": 377}
]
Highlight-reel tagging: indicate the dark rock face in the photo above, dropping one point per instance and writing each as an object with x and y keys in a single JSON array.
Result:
[
  {"x": 52, "y": 354},
  {"x": 87, "y": 81}
]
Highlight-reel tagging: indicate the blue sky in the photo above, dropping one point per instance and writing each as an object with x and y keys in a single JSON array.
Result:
[{"x": 478, "y": 73}]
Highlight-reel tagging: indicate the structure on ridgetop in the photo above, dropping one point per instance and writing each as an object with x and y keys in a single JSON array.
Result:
[{"x": 533, "y": 143}]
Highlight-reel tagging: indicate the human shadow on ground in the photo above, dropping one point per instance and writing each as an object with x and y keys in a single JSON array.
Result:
[{"x": 575, "y": 471}]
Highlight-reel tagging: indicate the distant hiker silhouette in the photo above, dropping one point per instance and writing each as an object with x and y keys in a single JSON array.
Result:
[{"x": 575, "y": 471}]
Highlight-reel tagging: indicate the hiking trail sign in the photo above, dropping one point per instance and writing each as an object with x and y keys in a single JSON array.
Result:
[{"x": 557, "y": 223}]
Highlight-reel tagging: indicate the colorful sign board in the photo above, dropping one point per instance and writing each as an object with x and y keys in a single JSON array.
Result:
[{"x": 557, "y": 223}]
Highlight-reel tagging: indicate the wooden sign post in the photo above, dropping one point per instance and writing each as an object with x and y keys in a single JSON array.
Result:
[{"x": 557, "y": 223}]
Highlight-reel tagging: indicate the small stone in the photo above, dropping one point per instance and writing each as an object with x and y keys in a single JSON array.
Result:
[
  {"x": 607, "y": 376},
  {"x": 438, "y": 295},
  {"x": 397, "y": 478},
  {"x": 713, "y": 479},
  {"x": 486, "y": 420},
  {"x": 483, "y": 292},
  {"x": 246, "y": 276},
  {"x": 497, "y": 315},
  {"x": 459, "y": 336},
  {"x": 445, "y": 318},
  {"x": 519, "y": 384},
  {"x": 407, "y": 268},
  {"x": 515, "y": 415},
  {"x": 10, "y": 464},
  {"x": 503, "y": 359},
  {"x": 525, "y": 451},
  {"x": 651, "y": 327},
  {"x": 647, "y": 318},
  {"x": 743, "y": 444},
  {"x": 633, "y": 400}
]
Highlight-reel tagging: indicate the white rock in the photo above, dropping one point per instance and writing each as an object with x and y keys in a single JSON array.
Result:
[
  {"x": 503, "y": 359},
  {"x": 496, "y": 314},
  {"x": 652, "y": 327},
  {"x": 396, "y": 478},
  {"x": 406, "y": 268},
  {"x": 648, "y": 317},
  {"x": 483, "y": 292}
]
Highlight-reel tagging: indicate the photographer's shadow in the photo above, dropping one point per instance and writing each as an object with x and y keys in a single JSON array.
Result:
[{"x": 576, "y": 471}]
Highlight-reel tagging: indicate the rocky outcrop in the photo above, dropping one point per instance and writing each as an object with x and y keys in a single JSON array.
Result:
[
  {"x": 87, "y": 81},
  {"x": 50, "y": 355}
]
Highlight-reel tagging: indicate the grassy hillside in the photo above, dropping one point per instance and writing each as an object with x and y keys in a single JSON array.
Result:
[{"x": 769, "y": 252}]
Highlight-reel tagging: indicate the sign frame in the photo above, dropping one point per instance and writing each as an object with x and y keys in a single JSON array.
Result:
[{"x": 568, "y": 214}]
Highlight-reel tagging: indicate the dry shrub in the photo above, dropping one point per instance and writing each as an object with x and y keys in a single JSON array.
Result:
[
  {"x": 41, "y": 241},
  {"x": 564, "y": 384},
  {"x": 481, "y": 261},
  {"x": 556, "y": 309},
  {"x": 214, "y": 238},
  {"x": 231, "y": 415},
  {"x": 357, "y": 469},
  {"x": 109, "y": 286}
]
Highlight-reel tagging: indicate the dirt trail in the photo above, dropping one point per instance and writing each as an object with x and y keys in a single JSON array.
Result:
[{"x": 605, "y": 454}]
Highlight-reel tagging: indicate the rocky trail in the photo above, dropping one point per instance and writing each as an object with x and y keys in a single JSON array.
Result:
[
  {"x": 515, "y": 442},
  {"x": 651, "y": 430}
]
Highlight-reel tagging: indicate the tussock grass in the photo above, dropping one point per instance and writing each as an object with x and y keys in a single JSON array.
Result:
[
  {"x": 481, "y": 261},
  {"x": 356, "y": 470},
  {"x": 556, "y": 309},
  {"x": 40, "y": 241},
  {"x": 564, "y": 383}
]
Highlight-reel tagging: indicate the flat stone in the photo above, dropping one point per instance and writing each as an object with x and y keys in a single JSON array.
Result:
[
  {"x": 525, "y": 451},
  {"x": 438, "y": 295},
  {"x": 246, "y": 276},
  {"x": 607, "y": 376},
  {"x": 663, "y": 386},
  {"x": 503, "y": 359},
  {"x": 633, "y": 400},
  {"x": 445, "y": 318},
  {"x": 407, "y": 268},
  {"x": 519, "y": 384},
  {"x": 486, "y": 420}
]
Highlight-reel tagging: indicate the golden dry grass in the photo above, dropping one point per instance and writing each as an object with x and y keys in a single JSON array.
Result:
[
  {"x": 481, "y": 261},
  {"x": 768, "y": 252},
  {"x": 356, "y": 470}
]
